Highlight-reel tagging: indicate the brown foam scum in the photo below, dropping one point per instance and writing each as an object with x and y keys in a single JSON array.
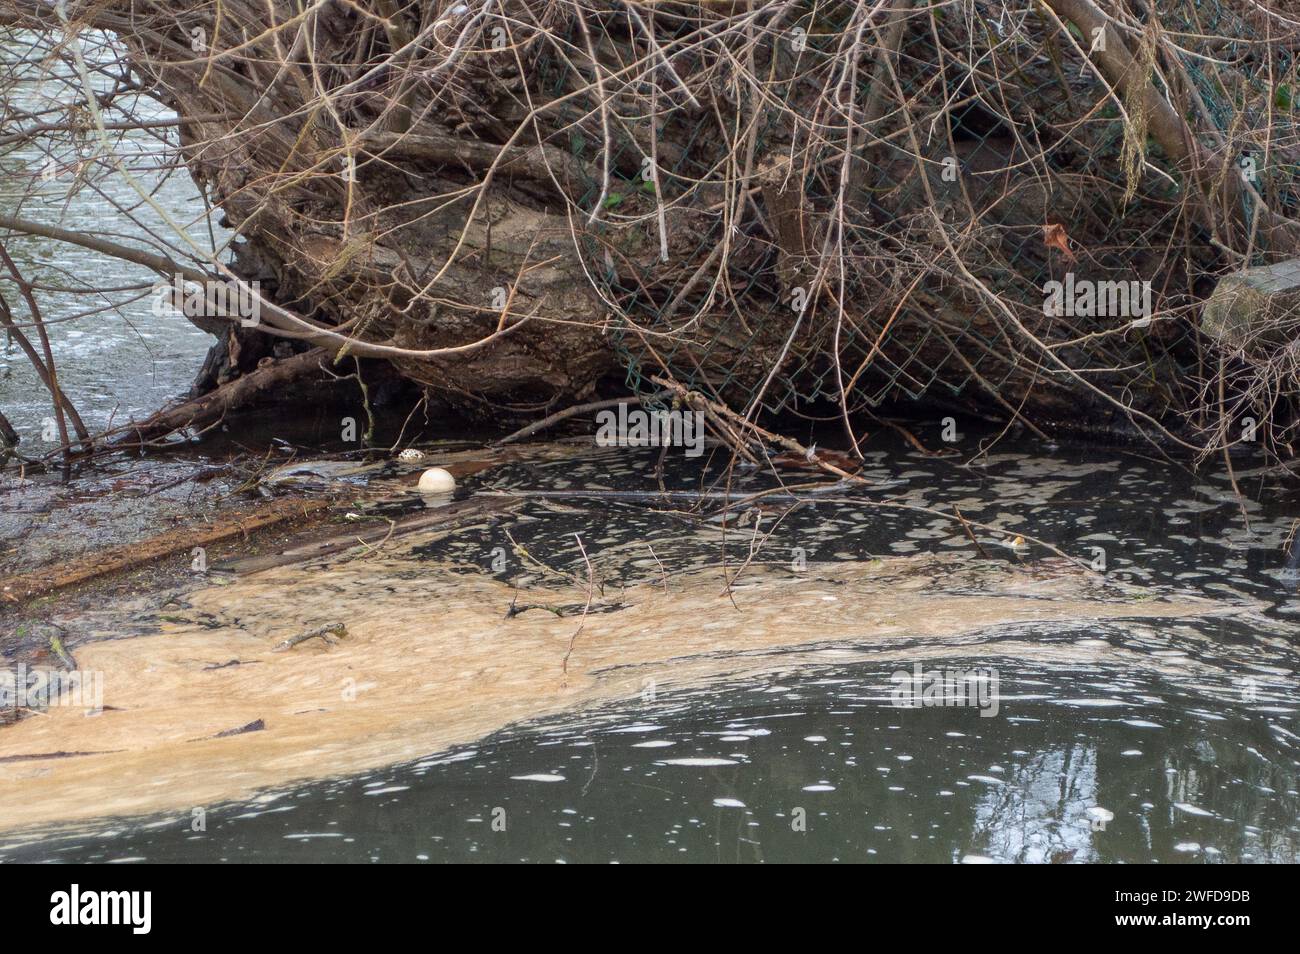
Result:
[{"x": 430, "y": 660}]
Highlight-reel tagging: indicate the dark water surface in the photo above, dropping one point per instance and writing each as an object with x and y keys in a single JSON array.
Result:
[{"x": 1144, "y": 741}]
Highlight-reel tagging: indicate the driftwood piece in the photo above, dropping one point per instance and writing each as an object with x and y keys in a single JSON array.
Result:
[
  {"x": 529, "y": 161},
  {"x": 132, "y": 555},
  {"x": 570, "y": 412},
  {"x": 1256, "y": 305},
  {"x": 443, "y": 516},
  {"x": 41, "y": 756},
  {"x": 257, "y": 725}
]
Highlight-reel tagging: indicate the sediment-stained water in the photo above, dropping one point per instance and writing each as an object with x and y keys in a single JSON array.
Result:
[
  {"x": 420, "y": 657},
  {"x": 1083, "y": 764},
  {"x": 1152, "y": 721}
]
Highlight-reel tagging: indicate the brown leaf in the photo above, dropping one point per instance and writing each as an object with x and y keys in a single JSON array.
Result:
[{"x": 1054, "y": 236}]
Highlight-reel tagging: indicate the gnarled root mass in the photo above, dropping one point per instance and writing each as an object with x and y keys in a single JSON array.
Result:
[{"x": 1019, "y": 207}]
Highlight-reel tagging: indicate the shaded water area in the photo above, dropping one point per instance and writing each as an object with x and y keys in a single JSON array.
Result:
[{"x": 1119, "y": 739}]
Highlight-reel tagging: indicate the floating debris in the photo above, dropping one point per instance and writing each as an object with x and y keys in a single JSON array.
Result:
[
  {"x": 320, "y": 473},
  {"x": 326, "y": 632},
  {"x": 257, "y": 725}
]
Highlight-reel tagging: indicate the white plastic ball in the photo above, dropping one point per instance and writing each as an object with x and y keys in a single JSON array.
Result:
[{"x": 435, "y": 480}]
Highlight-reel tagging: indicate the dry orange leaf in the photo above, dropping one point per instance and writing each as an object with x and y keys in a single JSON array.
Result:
[{"x": 1054, "y": 236}]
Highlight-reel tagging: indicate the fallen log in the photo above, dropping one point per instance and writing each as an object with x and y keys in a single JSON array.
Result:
[
  {"x": 262, "y": 383},
  {"x": 521, "y": 203}
]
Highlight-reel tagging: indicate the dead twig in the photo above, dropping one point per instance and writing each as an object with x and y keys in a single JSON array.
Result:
[{"x": 330, "y": 633}]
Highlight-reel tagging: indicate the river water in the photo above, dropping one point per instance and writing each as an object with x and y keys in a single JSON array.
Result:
[
  {"x": 1124, "y": 740},
  {"x": 116, "y": 359},
  {"x": 1173, "y": 741},
  {"x": 1187, "y": 782}
]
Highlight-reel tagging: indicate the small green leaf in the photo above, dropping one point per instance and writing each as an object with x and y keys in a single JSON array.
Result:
[{"x": 613, "y": 199}]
